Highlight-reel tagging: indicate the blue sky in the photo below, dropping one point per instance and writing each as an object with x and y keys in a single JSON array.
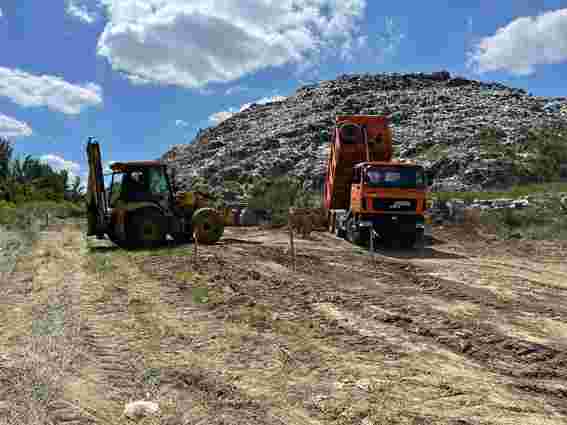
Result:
[{"x": 142, "y": 76}]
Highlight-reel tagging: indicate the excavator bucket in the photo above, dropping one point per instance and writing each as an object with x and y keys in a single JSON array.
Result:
[{"x": 96, "y": 195}]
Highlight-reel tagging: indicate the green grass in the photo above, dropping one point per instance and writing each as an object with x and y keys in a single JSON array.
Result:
[
  {"x": 53, "y": 322},
  {"x": 536, "y": 223},
  {"x": 19, "y": 216},
  {"x": 544, "y": 219},
  {"x": 513, "y": 193}
]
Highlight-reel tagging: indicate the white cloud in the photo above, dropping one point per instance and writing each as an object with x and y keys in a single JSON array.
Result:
[
  {"x": 80, "y": 12},
  {"x": 181, "y": 123},
  {"x": 11, "y": 127},
  {"x": 522, "y": 44},
  {"x": 192, "y": 43},
  {"x": 53, "y": 92},
  {"x": 221, "y": 116}
]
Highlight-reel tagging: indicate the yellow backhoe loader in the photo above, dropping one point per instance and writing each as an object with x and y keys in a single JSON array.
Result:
[{"x": 142, "y": 206}]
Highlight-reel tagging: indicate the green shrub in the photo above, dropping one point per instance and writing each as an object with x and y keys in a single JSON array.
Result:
[
  {"x": 6, "y": 204},
  {"x": 279, "y": 195},
  {"x": 541, "y": 221}
]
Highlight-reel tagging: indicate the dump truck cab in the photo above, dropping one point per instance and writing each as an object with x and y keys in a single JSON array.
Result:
[{"x": 389, "y": 198}]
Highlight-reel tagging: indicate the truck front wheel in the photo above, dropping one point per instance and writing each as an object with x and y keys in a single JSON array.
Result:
[{"x": 339, "y": 231}]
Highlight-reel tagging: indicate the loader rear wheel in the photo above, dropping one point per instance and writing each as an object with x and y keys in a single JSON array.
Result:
[
  {"x": 146, "y": 229},
  {"x": 208, "y": 225}
]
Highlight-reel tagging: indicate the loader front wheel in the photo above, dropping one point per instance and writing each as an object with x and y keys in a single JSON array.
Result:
[
  {"x": 208, "y": 225},
  {"x": 146, "y": 229}
]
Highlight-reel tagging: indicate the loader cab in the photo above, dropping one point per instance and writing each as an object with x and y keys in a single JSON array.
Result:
[{"x": 143, "y": 181}]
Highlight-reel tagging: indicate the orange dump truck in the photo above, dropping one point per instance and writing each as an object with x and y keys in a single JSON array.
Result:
[{"x": 367, "y": 193}]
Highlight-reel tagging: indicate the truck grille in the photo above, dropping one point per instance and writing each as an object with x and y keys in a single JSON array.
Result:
[{"x": 394, "y": 204}]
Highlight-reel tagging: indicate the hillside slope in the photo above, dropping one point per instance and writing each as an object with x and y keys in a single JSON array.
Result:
[{"x": 437, "y": 119}]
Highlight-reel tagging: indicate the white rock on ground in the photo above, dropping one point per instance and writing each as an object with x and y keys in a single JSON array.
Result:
[{"x": 139, "y": 409}]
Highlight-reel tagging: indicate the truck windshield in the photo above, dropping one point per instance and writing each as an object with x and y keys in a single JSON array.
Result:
[{"x": 401, "y": 177}]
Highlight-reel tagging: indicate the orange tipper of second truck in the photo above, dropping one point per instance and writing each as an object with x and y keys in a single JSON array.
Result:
[{"x": 367, "y": 193}]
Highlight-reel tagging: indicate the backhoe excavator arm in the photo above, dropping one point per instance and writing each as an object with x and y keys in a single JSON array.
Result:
[{"x": 96, "y": 195}]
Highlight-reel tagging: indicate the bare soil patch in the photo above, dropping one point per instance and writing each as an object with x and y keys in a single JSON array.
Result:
[{"x": 466, "y": 331}]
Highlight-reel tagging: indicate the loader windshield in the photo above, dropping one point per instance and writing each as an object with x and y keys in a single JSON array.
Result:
[
  {"x": 398, "y": 177},
  {"x": 145, "y": 184}
]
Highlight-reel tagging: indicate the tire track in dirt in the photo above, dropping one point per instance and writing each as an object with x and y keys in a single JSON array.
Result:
[
  {"x": 193, "y": 372},
  {"x": 518, "y": 359}
]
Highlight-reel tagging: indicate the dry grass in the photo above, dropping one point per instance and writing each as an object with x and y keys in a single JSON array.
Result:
[
  {"x": 540, "y": 330},
  {"x": 40, "y": 345},
  {"x": 140, "y": 337}
]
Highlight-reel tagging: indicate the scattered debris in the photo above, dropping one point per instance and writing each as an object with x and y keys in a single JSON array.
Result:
[{"x": 138, "y": 409}]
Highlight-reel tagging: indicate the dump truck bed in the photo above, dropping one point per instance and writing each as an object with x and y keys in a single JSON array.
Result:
[{"x": 345, "y": 154}]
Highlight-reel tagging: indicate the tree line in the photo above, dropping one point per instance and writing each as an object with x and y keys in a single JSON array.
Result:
[{"x": 30, "y": 179}]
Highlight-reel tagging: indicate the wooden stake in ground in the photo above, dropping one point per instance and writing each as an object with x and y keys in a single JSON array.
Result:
[
  {"x": 372, "y": 240},
  {"x": 195, "y": 247},
  {"x": 291, "y": 247}
]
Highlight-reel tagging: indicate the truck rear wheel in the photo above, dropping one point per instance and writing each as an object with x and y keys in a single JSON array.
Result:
[
  {"x": 408, "y": 240},
  {"x": 146, "y": 229},
  {"x": 355, "y": 234}
]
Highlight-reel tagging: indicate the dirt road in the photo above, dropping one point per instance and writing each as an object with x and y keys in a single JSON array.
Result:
[{"x": 468, "y": 331}]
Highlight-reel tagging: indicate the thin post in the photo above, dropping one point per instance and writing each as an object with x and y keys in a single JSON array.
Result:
[
  {"x": 46, "y": 219},
  {"x": 372, "y": 238},
  {"x": 196, "y": 248},
  {"x": 291, "y": 247}
]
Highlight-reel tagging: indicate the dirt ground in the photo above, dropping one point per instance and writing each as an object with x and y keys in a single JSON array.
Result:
[{"x": 469, "y": 330}]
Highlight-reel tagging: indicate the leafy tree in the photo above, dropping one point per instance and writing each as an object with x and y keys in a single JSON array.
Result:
[
  {"x": 280, "y": 194},
  {"x": 5, "y": 157},
  {"x": 29, "y": 179}
]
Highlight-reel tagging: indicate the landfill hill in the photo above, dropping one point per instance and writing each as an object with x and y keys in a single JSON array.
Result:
[{"x": 439, "y": 120}]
